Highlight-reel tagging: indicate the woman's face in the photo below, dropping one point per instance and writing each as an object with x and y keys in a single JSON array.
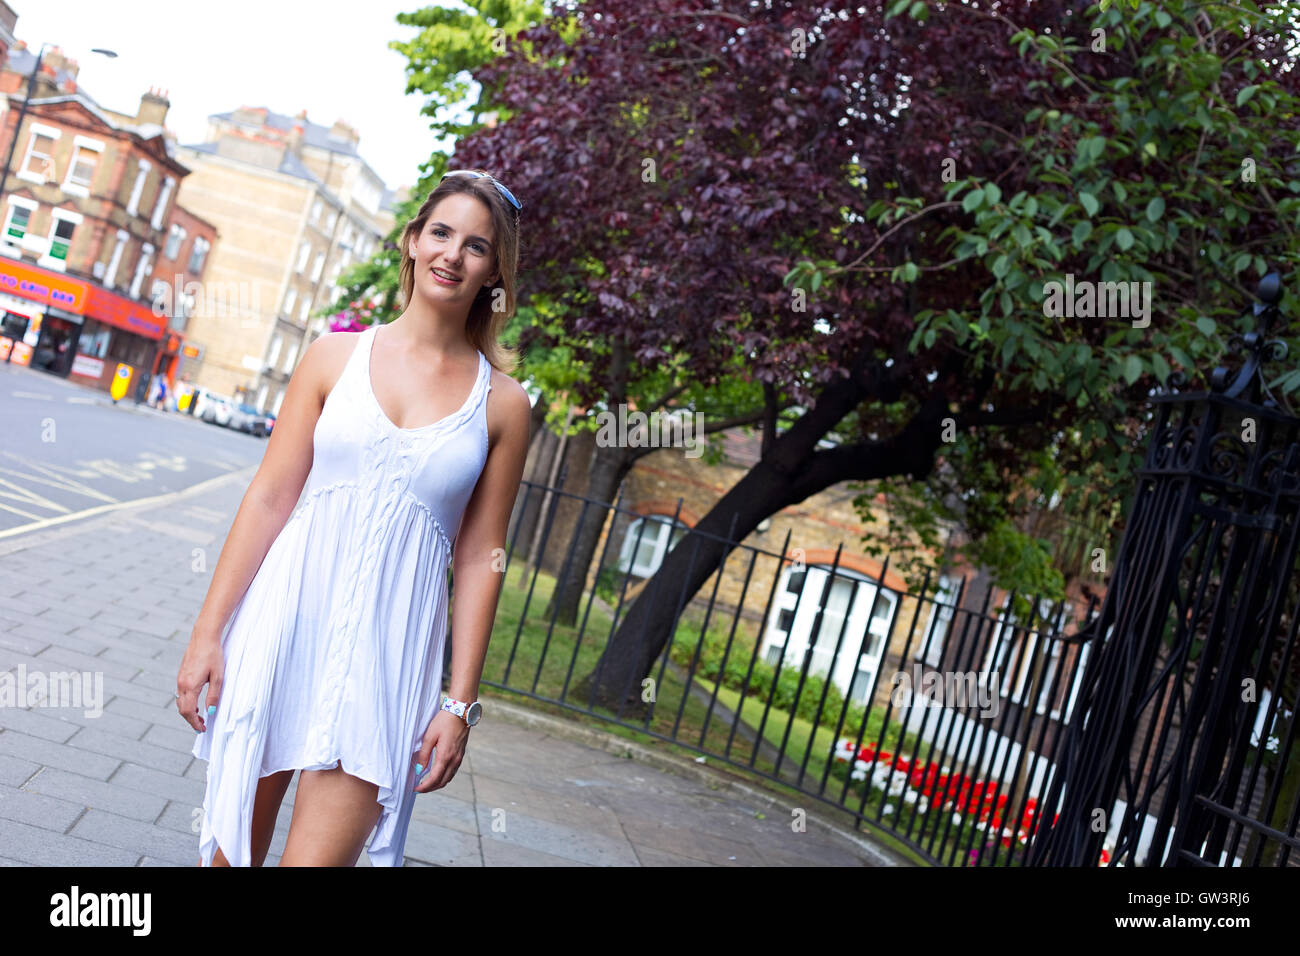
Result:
[{"x": 456, "y": 241}]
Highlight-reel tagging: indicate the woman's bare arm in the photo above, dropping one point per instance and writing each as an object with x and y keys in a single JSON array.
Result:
[
  {"x": 479, "y": 556},
  {"x": 266, "y": 506}
]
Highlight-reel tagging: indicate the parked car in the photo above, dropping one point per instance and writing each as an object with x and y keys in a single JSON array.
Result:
[
  {"x": 254, "y": 422},
  {"x": 206, "y": 408},
  {"x": 236, "y": 418},
  {"x": 217, "y": 409}
]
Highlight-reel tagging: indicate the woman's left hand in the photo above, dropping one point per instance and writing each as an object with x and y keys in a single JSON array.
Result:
[{"x": 444, "y": 741}]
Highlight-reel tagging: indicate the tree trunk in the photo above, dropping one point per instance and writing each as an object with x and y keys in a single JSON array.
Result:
[
  {"x": 652, "y": 617},
  {"x": 608, "y": 468},
  {"x": 791, "y": 470}
]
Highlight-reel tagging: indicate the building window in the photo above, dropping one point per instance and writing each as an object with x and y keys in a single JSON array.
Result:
[
  {"x": 18, "y": 222},
  {"x": 329, "y": 223},
  {"x": 198, "y": 254},
  {"x": 94, "y": 339},
  {"x": 276, "y": 343},
  {"x": 1015, "y": 648},
  {"x": 174, "y": 239},
  {"x": 61, "y": 230},
  {"x": 936, "y": 628},
  {"x": 317, "y": 267},
  {"x": 141, "y": 270},
  {"x": 81, "y": 172},
  {"x": 655, "y": 541},
  {"x": 315, "y": 211},
  {"x": 303, "y": 252},
  {"x": 37, "y": 165},
  {"x": 289, "y": 357},
  {"x": 849, "y": 642},
  {"x": 141, "y": 174},
  {"x": 305, "y": 311},
  {"x": 160, "y": 207}
]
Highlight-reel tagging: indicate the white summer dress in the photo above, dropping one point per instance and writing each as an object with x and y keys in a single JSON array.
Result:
[{"x": 334, "y": 653}]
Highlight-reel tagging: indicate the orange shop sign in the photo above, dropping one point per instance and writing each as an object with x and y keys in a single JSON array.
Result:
[
  {"x": 48, "y": 288},
  {"x": 125, "y": 314}
]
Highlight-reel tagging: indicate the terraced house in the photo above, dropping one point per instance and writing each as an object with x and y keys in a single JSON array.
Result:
[{"x": 91, "y": 225}]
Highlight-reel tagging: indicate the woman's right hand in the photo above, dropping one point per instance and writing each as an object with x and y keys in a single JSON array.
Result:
[{"x": 203, "y": 663}]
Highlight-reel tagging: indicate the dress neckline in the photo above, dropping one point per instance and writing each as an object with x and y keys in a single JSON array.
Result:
[{"x": 460, "y": 413}]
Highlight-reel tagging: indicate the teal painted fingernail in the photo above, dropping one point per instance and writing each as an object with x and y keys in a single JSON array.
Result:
[
  {"x": 419, "y": 768},
  {"x": 212, "y": 709}
]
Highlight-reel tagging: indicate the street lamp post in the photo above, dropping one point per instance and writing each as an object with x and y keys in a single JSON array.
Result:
[{"x": 22, "y": 113}]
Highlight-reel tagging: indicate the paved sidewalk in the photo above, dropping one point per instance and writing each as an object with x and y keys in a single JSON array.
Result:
[{"x": 116, "y": 595}]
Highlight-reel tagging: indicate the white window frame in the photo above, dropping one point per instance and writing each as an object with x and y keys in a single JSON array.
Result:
[
  {"x": 873, "y": 630},
  {"x": 660, "y": 536},
  {"x": 142, "y": 268},
  {"x": 110, "y": 274},
  {"x": 303, "y": 252},
  {"x": 277, "y": 342},
  {"x": 34, "y": 130},
  {"x": 317, "y": 267},
  {"x": 200, "y": 248},
  {"x": 58, "y": 216},
  {"x": 278, "y": 399},
  {"x": 18, "y": 202},
  {"x": 164, "y": 196},
  {"x": 1006, "y": 652},
  {"x": 74, "y": 187},
  {"x": 315, "y": 211},
  {"x": 936, "y": 627},
  {"x": 289, "y": 358},
  {"x": 290, "y": 300},
  {"x": 305, "y": 311},
  {"x": 141, "y": 174},
  {"x": 175, "y": 237}
]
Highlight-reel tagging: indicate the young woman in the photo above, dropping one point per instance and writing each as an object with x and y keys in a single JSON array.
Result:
[{"x": 406, "y": 444}]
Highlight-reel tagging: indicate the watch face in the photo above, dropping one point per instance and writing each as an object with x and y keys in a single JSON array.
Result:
[{"x": 472, "y": 715}]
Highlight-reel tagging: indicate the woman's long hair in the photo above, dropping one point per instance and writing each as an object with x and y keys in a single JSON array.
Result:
[{"x": 494, "y": 305}]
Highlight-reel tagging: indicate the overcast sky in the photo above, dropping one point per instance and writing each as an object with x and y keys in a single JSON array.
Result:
[{"x": 328, "y": 57}]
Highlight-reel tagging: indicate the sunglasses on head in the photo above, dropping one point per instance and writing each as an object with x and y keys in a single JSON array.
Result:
[{"x": 510, "y": 197}]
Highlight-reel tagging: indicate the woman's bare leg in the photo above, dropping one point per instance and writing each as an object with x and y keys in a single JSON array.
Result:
[
  {"x": 333, "y": 813},
  {"x": 266, "y": 808}
]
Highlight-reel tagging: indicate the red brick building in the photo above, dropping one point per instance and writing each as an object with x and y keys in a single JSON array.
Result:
[{"x": 89, "y": 227}]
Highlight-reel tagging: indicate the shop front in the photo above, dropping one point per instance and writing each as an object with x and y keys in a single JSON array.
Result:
[{"x": 81, "y": 331}]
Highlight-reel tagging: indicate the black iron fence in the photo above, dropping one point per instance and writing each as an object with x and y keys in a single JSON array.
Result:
[{"x": 932, "y": 714}]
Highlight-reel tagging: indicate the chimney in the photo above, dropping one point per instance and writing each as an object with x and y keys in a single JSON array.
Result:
[
  {"x": 153, "y": 107},
  {"x": 294, "y": 139},
  {"x": 344, "y": 133},
  {"x": 49, "y": 83},
  {"x": 251, "y": 115}
]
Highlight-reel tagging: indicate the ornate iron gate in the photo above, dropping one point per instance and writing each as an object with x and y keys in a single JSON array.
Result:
[{"x": 1188, "y": 725}]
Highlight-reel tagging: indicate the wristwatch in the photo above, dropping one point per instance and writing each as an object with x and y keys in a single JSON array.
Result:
[{"x": 470, "y": 712}]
